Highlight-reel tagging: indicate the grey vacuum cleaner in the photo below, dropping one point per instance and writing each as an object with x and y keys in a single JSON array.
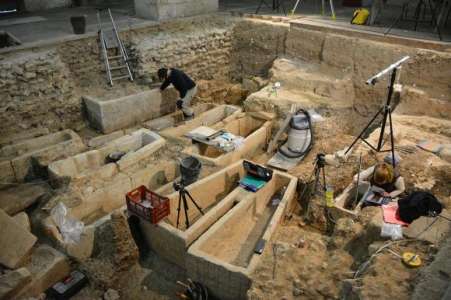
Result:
[{"x": 298, "y": 143}]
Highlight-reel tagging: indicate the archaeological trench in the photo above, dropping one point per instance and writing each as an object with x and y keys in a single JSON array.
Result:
[{"x": 61, "y": 121}]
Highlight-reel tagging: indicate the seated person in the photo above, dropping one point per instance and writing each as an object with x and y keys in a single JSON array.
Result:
[{"x": 385, "y": 177}]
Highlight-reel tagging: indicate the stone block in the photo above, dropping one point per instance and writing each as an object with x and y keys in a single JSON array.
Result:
[
  {"x": 113, "y": 114},
  {"x": 17, "y": 198},
  {"x": 16, "y": 242},
  {"x": 23, "y": 220},
  {"x": 305, "y": 44},
  {"x": 47, "y": 267},
  {"x": 83, "y": 249},
  {"x": 103, "y": 139},
  {"x": 12, "y": 282},
  {"x": 7, "y": 174}
]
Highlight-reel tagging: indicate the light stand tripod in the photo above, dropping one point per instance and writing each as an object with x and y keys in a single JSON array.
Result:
[
  {"x": 385, "y": 110},
  {"x": 180, "y": 187}
]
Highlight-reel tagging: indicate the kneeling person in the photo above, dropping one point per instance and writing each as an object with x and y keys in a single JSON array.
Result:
[
  {"x": 385, "y": 177},
  {"x": 183, "y": 84}
]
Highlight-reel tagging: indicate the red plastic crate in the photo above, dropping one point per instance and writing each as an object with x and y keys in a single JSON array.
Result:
[{"x": 158, "y": 205}]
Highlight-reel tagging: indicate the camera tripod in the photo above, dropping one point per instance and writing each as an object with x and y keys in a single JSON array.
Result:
[
  {"x": 319, "y": 173},
  {"x": 180, "y": 187},
  {"x": 384, "y": 110}
]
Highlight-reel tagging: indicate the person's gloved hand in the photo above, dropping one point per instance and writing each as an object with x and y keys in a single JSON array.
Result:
[{"x": 179, "y": 103}]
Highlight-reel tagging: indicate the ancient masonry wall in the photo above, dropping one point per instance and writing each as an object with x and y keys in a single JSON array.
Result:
[{"x": 42, "y": 86}]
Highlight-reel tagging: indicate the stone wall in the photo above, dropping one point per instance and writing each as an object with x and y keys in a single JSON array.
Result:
[
  {"x": 43, "y": 86},
  {"x": 35, "y": 90},
  {"x": 429, "y": 70},
  {"x": 255, "y": 45},
  {"x": 203, "y": 54}
]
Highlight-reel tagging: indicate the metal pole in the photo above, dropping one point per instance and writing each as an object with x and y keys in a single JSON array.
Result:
[{"x": 387, "y": 108}]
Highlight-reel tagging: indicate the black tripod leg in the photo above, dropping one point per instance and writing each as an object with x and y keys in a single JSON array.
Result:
[
  {"x": 178, "y": 210},
  {"x": 435, "y": 20},
  {"x": 392, "y": 139},
  {"x": 386, "y": 108},
  {"x": 197, "y": 206},
  {"x": 324, "y": 179},
  {"x": 185, "y": 204},
  {"x": 364, "y": 129}
]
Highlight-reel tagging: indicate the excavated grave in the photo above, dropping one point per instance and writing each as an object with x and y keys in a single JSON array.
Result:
[
  {"x": 176, "y": 118},
  {"x": 18, "y": 161},
  {"x": 223, "y": 258},
  {"x": 86, "y": 168},
  {"x": 221, "y": 113},
  {"x": 254, "y": 128}
]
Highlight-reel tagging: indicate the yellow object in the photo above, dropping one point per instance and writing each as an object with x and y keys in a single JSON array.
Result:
[
  {"x": 411, "y": 259},
  {"x": 360, "y": 16},
  {"x": 329, "y": 197}
]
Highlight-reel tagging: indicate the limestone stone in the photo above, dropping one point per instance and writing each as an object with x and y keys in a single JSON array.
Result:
[
  {"x": 17, "y": 198},
  {"x": 83, "y": 249},
  {"x": 126, "y": 253},
  {"x": 47, "y": 266},
  {"x": 436, "y": 232},
  {"x": 23, "y": 220},
  {"x": 16, "y": 242},
  {"x": 13, "y": 281}
]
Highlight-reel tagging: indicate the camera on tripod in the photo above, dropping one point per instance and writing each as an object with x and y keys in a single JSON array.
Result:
[
  {"x": 189, "y": 171},
  {"x": 320, "y": 160}
]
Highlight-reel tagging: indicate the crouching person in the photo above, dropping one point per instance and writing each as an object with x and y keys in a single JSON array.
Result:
[
  {"x": 384, "y": 176},
  {"x": 183, "y": 84}
]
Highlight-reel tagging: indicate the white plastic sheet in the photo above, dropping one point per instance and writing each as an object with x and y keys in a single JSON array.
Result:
[{"x": 70, "y": 228}]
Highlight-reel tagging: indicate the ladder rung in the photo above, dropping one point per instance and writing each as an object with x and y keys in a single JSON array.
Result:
[
  {"x": 118, "y": 67},
  {"x": 120, "y": 77},
  {"x": 114, "y": 57}
]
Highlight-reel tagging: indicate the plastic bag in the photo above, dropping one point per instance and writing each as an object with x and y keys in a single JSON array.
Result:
[
  {"x": 70, "y": 228},
  {"x": 393, "y": 231}
]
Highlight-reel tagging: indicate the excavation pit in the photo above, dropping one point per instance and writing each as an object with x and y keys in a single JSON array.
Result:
[
  {"x": 22, "y": 161},
  {"x": 346, "y": 204},
  {"x": 255, "y": 130},
  {"x": 94, "y": 165},
  {"x": 223, "y": 258},
  {"x": 220, "y": 114}
]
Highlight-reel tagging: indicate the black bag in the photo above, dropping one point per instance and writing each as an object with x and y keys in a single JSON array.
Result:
[{"x": 418, "y": 204}]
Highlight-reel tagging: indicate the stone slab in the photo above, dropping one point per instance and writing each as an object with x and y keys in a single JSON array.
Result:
[
  {"x": 16, "y": 242},
  {"x": 47, "y": 266},
  {"x": 12, "y": 282},
  {"x": 434, "y": 234},
  {"x": 17, "y": 198},
  {"x": 23, "y": 220}
]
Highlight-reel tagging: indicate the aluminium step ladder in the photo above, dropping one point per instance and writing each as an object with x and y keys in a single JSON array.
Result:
[{"x": 117, "y": 65}]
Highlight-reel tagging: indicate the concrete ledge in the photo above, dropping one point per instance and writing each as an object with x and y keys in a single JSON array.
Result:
[
  {"x": 17, "y": 158},
  {"x": 113, "y": 114},
  {"x": 221, "y": 113},
  {"x": 223, "y": 257},
  {"x": 256, "y": 132}
]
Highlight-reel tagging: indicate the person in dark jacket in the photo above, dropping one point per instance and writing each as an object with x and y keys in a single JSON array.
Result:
[{"x": 183, "y": 84}]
